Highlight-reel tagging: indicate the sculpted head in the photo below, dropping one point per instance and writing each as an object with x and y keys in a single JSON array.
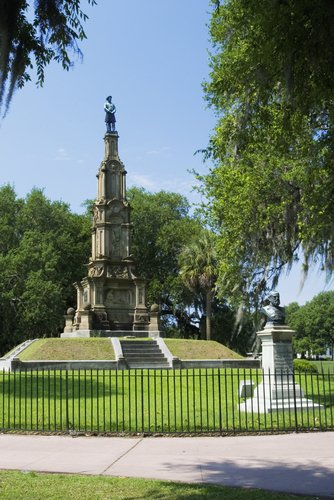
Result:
[{"x": 274, "y": 298}]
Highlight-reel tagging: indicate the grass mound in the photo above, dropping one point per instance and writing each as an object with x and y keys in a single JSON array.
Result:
[
  {"x": 101, "y": 348},
  {"x": 200, "y": 349},
  {"x": 66, "y": 349}
]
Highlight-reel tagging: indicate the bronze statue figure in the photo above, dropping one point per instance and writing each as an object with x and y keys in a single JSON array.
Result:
[
  {"x": 273, "y": 311},
  {"x": 110, "y": 119}
]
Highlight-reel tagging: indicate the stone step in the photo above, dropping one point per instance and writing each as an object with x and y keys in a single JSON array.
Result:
[
  {"x": 143, "y": 354},
  {"x": 164, "y": 366},
  {"x": 141, "y": 351},
  {"x": 137, "y": 343},
  {"x": 146, "y": 360}
]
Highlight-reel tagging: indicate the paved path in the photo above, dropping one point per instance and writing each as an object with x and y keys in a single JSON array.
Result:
[{"x": 296, "y": 463}]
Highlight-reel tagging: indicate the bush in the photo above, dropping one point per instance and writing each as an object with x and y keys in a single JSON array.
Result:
[{"x": 302, "y": 365}]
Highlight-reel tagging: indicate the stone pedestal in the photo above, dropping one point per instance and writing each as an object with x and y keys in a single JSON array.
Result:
[{"x": 278, "y": 390}]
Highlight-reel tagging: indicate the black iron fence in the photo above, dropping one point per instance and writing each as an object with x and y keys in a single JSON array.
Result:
[{"x": 165, "y": 401}]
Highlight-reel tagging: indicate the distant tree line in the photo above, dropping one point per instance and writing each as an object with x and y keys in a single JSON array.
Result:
[{"x": 314, "y": 324}]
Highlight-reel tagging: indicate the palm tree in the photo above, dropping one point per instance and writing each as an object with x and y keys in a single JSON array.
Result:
[{"x": 198, "y": 263}]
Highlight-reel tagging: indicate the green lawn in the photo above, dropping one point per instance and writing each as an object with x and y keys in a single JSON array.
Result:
[
  {"x": 200, "y": 349},
  {"x": 151, "y": 401},
  {"x": 326, "y": 366},
  {"x": 32, "y": 486},
  {"x": 65, "y": 349}
]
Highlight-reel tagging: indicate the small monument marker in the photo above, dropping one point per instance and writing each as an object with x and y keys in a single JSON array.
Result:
[{"x": 278, "y": 390}]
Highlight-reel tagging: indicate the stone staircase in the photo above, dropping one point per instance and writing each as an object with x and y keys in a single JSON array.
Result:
[
  {"x": 6, "y": 361},
  {"x": 143, "y": 354}
]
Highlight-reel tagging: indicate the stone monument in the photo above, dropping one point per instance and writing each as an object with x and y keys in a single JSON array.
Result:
[
  {"x": 278, "y": 390},
  {"x": 111, "y": 298}
]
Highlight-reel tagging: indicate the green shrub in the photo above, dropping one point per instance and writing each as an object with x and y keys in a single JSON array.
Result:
[{"x": 302, "y": 365}]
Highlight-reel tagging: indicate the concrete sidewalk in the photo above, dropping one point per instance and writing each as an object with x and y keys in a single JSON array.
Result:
[{"x": 295, "y": 463}]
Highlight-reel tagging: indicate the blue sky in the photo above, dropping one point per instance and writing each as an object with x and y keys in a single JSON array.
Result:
[{"x": 152, "y": 57}]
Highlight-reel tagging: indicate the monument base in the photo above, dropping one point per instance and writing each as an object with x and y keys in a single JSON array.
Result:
[
  {"x": 110, "y": 333},
  {"x": 278, "y": 393}
]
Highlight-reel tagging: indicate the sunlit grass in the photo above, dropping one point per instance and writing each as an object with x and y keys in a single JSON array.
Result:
[
  {"x": 32, "y": 486},
  {"x": 152, "y": 401}
]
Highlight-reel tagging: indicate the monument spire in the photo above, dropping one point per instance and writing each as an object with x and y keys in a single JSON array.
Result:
[{"x": 111, "y": 297}]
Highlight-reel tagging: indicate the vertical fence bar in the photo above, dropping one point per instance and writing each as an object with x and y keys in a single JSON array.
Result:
[
  {"x": 91, "y": 401},
  {"x": 110, "y": 399},
  {"x": 188, "y": 404},
  {"x": 174, "y": 396},
  {"x": 36, "y": 399},
  {"x": 136, "y": 400},
  {"x": 226, "y": 400},
  {"x": 200, "y": 400},
  {"x": 79, "y": 398},
  {"x": 219, "y": 404},
  {"x": 168, "y": 400},
  {"x": 181, "y": 400},
  {"x": 330, "y": 397},
  {"x": 270, "y": 400},
  {"x": 66, "y": 401},
  {"x": 116, "y": 400},
  {"x": 162, "y": 402},
  {"x": 20, "y": 400},
  {"x": 149, "y": 400},
  {"x": 104, "y": 399},
  {"x": 232, "y": 396},
  {"x": 295, "y": 402},
  {"x": 97, "y": 400},
  {"x": 55, "y": 398},
  {"x": 193, "y": 398},
  {"x": 307, "y": 400},
  {"x": 8, "y": 400},
  {"x": 3, "y": 399},
  {"x": 123, "y": 398},
  {"x": 14, "y": 399},
  {"x": 85, "y": 400},
  {"x": 43, "y": 409},
  {"x": 129, "y": 400},
  {"x": 142, "y": 398},
  {"x": 49, "y": 401},
  {"x": 74, "y": 425},
  {"x": 319, "y": 410},
  {"x": 213, "y": 392}
]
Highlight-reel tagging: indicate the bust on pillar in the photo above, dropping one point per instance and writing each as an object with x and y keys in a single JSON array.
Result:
[
  {"x": 276, "y": 338},
  {"x": 278, "y": 390}
]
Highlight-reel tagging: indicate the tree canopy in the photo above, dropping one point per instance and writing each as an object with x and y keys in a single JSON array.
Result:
[
  {"x": 33, "y": 36},
  {"x": 43, "y": 249},
  {"x": 270, "y": 188},
  {"x": 198, "y": 263},
  {"x": 314, "y": 324}
]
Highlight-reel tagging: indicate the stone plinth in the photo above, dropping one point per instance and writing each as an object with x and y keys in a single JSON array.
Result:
[
  {"x": 278, "y": 390},
  {"x": 277, "y": 355}
]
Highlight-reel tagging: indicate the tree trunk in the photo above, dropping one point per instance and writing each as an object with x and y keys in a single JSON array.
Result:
[{"x": 208, "y": 314}]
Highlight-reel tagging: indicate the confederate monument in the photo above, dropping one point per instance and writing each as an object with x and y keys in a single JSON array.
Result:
[{"x": 111, "y": 297}]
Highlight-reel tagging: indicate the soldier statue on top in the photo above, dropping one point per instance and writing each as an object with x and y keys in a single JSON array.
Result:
[{"x": 110, "y": 119}]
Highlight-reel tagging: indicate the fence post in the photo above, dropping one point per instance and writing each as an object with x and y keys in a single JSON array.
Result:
[
  {"x": 295, "y": 400},
  {"x": 219, "y": 403},
  {"x": 66, "y": 400}
]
